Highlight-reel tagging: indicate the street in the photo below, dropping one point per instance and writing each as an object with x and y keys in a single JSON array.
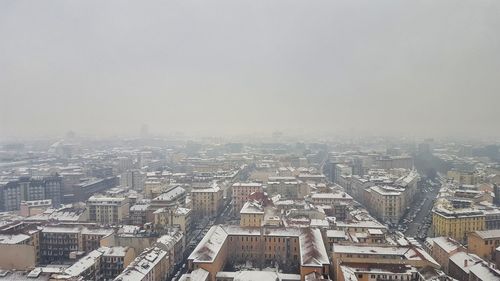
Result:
[{"x": 419, "y": 216}]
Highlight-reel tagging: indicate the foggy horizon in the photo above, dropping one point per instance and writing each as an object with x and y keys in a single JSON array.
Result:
[{"x": 420, "y": 68}]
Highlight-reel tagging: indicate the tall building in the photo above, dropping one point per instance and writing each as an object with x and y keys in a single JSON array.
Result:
[
  {"x": 133, "y": 179},
  {"x": 13, "y": 192}
]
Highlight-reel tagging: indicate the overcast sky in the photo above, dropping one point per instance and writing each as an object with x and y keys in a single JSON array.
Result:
[{"x": 421, "y": 68}]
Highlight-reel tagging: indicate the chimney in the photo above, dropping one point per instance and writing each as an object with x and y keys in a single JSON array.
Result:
[{"x": 465, "y": 262}]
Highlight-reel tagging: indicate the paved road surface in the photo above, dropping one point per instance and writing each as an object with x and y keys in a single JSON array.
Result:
[{"x": 425, "y": 210}]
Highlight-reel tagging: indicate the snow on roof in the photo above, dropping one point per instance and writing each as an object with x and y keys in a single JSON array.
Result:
[
  {"x": 386, "y": 190},
  {"x": 484, "y": 272},
  {"x": 463, "y": 258},
  {"x": 336, "y": 234},
  {"x": 97, "y": 231},
  {"x": 488, "y": 234},
  {"x": 312, "y": 248},
  {"x": 337, "y": 195},
  {"x": 199, "y": 274},
  {"x": 13, "y": 239},
  {"x": 319, "y": 223},
  {"x": 83, "y": 264},
  {"x": 169, "y": 240},
  {"x": 103, "y": 200},
  {"x": 252, "y": 207},
  {"x": 409, "y": 253},
  {"x": 139, "y": 208},
  {"x": 63, "y": 214},
  {"x": 182, "y": 211},
  {"x": 247, "y": 184},
  {"x": 171, "y": 194},
  {"x": 361, "y": 224},
  {"x": 143, "y": 264},
  {"x": 375, "y": 232},
  {"x": 61, "y": 229},
  {"x": 209, "y": 247},
  {"x": 445, "y": 243},
  {"x": 115, "y": 251},
  {"x": 247, "y": 275},
  {"x": 213, "y": 188}
]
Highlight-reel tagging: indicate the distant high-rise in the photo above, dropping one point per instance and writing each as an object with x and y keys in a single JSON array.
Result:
[{"x": 29, "y": 189}]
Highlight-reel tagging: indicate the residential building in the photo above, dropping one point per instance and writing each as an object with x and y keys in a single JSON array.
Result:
[
  {"x": 207, "y": 201},
  {"x": 299, "y": 250},
  {"x": 456, "y": 223},
  {"x": 241, "y": 192},
  {"x": 171, "y": 217},
  {"x": 151, "y": 265},
  {"x": 442, "y": 248},
  {"x": 483, "y": 243},
  {"x": 107, "y": 210}
]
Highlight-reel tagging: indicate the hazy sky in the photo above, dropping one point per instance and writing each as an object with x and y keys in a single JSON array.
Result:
[{"x": 422, "y": 68}]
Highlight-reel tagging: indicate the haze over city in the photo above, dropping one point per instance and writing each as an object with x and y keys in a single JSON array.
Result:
[
  {"x": 417, "y": 68},
  {"x": 244, "y": 140}
]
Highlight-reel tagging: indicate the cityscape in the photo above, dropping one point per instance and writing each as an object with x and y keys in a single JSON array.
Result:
[
  {"x": 164, "y": 209},
  {"x": 235, "y": 140}
]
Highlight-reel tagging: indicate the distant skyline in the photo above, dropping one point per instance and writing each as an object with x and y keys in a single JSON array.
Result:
[{"x": 414, "y": 68}]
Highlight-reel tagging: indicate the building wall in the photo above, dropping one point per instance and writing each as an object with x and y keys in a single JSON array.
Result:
[
  {"x": 484, "y": 248},
  {"x": 251, "y": 220},
  {"x": 456, "y": 227},
  {"x": 206, "y": 203},
  {"x": 17, "y": 256},
  {"x": 443, "y": 257},
  {"x": 240, "y": 195}
]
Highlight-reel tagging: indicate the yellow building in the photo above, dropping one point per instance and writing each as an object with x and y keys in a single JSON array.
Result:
[
  {"x": 457, "y": 223},
  {"x": 484, "y": 243},
  {"x": 207, "y": 201},
  {"x": 252, "y": 214}
]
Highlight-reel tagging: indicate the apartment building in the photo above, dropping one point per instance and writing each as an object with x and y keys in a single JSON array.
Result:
[
  {"x": 17, "y": 251},
  {"x": 385, "y": 202},
  {"x": 456, "y": 223},
  {"x": 104, "y": 263},
  {"x": 241, "y": 192},
  {"x": 151, "y": 265},
  {"x": 171, "y": 217},
  {"x": 207, "y": 201},
  {"x": 57, "y": 242},
  {"x": 377, "y": 256},
  {"x": 483, "y": 243},
  {"x": 252, "y": 214},
  {"x": 442, "y": 248},
  {"x": 107, "y": 210},
  {"x": 300, "y": 250},
  {"x": 13, "y": 192}
]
